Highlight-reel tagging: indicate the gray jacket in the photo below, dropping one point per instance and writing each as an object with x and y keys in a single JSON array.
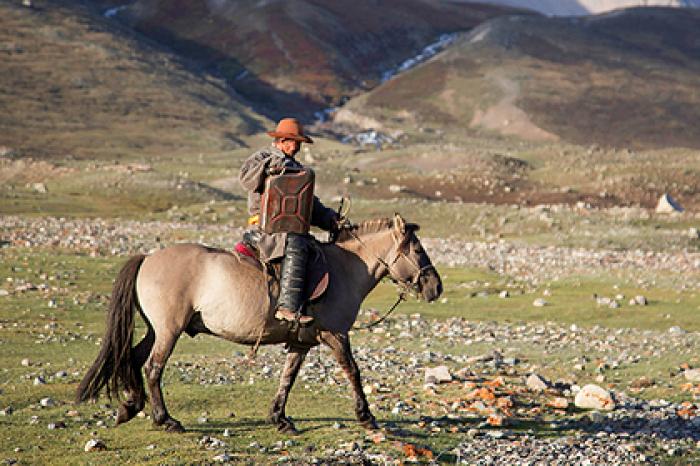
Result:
[{"x": 252, "y": 177}]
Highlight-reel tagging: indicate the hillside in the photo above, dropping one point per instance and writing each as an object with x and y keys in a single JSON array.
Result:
[
  {"x": 74, "y": 84},
  {"x": 586, "y": 7},
  {"x": 298, "y": 56},
  {"x": 624, "y": 79}
]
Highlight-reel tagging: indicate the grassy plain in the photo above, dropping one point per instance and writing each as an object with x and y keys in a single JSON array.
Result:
[{"x": 62, "y": 335}]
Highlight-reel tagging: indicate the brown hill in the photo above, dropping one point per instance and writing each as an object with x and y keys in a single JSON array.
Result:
[
  {"x": 625, "y": 79},
  {"x": 73, "y": 83},
  {"x": 296, "y": 56}
]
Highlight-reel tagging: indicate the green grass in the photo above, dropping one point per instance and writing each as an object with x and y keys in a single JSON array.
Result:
[{"x": 65, "y": 337}]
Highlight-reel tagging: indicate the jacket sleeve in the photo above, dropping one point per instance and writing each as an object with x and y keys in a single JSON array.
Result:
[
  {"x": 322, "y": 216},
  {"x": 254, "y": 170}
]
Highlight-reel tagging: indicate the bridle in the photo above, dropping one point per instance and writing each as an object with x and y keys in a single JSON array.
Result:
[{"x": 405, "y": 287}]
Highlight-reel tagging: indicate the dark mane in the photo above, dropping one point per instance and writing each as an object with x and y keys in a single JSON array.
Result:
[{"x": 367, "y": 227}]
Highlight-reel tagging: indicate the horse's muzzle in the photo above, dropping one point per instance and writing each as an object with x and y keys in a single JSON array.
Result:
[{"x": 430, "y": 285}]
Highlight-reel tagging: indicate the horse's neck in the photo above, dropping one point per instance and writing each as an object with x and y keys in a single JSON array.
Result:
[{"x": 361, "y": 262}]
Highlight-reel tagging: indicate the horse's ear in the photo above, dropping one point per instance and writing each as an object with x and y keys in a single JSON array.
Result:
[{"x": 400, "y": 224}]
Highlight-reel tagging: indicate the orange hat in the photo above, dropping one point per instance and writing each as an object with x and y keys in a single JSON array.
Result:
[{"x": 290, "y": 128}]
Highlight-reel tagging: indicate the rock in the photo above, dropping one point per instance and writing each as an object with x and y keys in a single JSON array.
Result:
[
  {"x": 56, "y": 425},
  {"x": 4, "y": 292},
  {"x": 395, "y": 188},
  {"x": 439, "y": 374},
  {"x": 227, "y": 432},
  {"x": 95, "y": 444},
  {"x": 614, "y": 304},
  {"x": 641, "y": 300},
  {"x": 667, "y": 205},
  {"x": 26, "y": 362},
  {"x": 7, "y": 411},
  {"x": 504, "y": 294},
  {"x": 39, "y": 380},
  {"x": 537, "y": 383},
  {"x": 539, "y": 302},
  {"x": 559, "y": 403},
  {"x": 676, "y": 330},
  {"x": 594, "y": 397},
  {"x": 692, "y": 375},
  {"x": 40, "y": 188},
  {"x": 642, "y": 382},
  {"x": 693, "y": 233},
  {"x": 47, "y": 402},
  {"x": 223, "y": 458}
]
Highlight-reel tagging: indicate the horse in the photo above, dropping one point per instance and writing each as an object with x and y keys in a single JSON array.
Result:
[{"x": 198, "y": 289}]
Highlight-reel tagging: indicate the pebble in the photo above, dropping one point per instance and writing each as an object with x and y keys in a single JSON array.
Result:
[
  {"x": 439, "y": 374},
  {"x": 594, "y": 397},
  {"x": 536, "y": 382},
  {"x": 692, "y": 375},
  {"x": 95, "y": 444},
  {"x": 47, "y": 402}
]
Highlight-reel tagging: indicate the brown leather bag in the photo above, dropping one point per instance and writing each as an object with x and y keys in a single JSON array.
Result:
[{"x": 287, "y": 202}]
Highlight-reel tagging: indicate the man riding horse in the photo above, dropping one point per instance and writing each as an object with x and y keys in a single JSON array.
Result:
[{"x": 286, "y": 239}]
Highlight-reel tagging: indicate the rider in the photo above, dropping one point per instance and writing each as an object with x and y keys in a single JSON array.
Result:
[{"x": 292, "y": 247}]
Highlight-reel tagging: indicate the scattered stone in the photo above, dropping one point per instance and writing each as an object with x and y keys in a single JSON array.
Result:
[
  {"x": 47, "y": 402},
  {"x": 39, "y": 380},
  {"x": 642, "y": 382},
  {"x": 539, "y": 302},
  {"x": 4, "y": 292},
  {"x": 439, "y": 374},
  {"x": 594, "y": 397},
  {"x": 693, "y": 233},
  {"x": 641, "y": 300},
  {"x": 559, "y": 403},
  {"x": 504, "y": 294},
  {"x": 676, "y": 330},
  {"x": 667, "y": 205},
  {"x": 95, "y": 444},
  {"x": 40, "y": 188},
  {"x": 56, "y": 425},
  {"x": 26, "y": 362},
  {"x": 693, "y": 375},
  {"x": 7, "y": 411},
  {"x": 223, "y": 458},
  {"x": 227, "y": 432},
  {"x": 536, "y": 383}
]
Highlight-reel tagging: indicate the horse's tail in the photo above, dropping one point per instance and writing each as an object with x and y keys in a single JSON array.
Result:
[{"x": 115, "y": 367}]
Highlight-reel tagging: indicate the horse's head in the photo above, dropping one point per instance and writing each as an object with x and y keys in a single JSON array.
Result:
[{"x": 410, "y": 264}]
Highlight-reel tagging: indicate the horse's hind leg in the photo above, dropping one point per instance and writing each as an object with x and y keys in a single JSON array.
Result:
[
  {"x": 340, "y": 344},
  {"x": 162, "y": 348},
  {"x": 295, "y": 358},
  {"x": 136, "y": 395}
]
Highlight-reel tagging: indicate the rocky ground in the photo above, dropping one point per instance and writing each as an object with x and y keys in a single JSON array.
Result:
[{"x": 445, "y": 390}]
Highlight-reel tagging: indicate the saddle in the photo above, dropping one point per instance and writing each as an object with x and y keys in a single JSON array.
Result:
[{"x": 317, "y": 277}]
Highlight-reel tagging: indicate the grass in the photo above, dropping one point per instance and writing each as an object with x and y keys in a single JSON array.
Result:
[{"x": 66, "y": 337}]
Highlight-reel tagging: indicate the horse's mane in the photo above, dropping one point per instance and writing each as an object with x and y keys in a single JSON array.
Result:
[{"x": 368, "y": 226}]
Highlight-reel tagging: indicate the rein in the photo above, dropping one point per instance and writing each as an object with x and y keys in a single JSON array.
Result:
[{"x": 405, "y": 287}]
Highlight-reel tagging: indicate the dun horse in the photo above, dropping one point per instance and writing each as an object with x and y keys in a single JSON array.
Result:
[{"x": 195, "y": 289}]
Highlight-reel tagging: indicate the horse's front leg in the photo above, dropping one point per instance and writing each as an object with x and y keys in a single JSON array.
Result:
[
  {"x": 295, "y": 358},
  {"x": 340, "y": 344}
]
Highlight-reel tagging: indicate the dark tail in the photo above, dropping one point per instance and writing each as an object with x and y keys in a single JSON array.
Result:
[{"x": 114, "y": 367}]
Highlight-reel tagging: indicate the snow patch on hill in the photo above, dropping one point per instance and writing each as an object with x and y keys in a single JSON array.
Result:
[{"x": 587, "y": 7}]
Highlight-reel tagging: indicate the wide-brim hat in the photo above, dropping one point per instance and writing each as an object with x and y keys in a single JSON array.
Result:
[{"x": 290, "y": 128}]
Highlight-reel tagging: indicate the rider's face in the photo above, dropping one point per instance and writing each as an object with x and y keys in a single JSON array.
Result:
[{"x": 289, "y": 146}]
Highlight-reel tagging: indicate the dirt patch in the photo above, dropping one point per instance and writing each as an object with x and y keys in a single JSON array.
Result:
[{"x": 506, "y": 118}]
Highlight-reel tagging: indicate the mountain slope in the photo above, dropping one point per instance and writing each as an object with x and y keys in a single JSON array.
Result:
[
  {"x": 627, "y": 78},
  {"x": 297, "y": 56},
  {"x": 587, "y": 7},
  {"x": 74, "y": 84}
]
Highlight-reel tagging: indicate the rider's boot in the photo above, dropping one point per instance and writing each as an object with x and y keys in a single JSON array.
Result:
[{"x": 292, "y": 279}]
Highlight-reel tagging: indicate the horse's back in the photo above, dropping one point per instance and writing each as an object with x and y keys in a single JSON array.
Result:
[{"x": 230, "y": 294}]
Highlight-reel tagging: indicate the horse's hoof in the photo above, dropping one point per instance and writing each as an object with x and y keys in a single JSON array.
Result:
[
  {"x": 287, "y": 428},
  {"x": 172, "y": 425},
  {"x": 370, "y": 424}
]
